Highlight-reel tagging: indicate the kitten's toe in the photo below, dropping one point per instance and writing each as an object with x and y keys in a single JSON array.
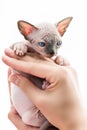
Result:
[
  {"x": 45, "y": 85},
  {"x": 20, "y": 50}
]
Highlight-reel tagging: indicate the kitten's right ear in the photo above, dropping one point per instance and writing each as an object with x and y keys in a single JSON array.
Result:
[{"x": 26, "y": 28}]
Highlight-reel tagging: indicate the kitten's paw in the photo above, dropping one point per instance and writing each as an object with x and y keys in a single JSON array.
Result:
[
  {"x": 20, "y": 49},
  {"x": 45, "y": 85},
  {"x": 61, "y": 61}
]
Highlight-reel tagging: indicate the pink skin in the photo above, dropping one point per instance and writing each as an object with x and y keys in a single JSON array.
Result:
[{"x": 61, "y": 102}]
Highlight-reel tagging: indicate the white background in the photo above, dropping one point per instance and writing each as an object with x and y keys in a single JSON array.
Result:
[{"x": 74, "y": 45}]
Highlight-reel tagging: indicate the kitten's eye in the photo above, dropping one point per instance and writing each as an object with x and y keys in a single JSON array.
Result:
[
  {"x": 42, "y": 44},
  {"x": 59, "y": 43}
]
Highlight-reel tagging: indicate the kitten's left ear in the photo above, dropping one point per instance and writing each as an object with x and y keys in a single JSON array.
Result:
[
  {"x": 26, "y": 28},
  {"x": 63, "y": 24}
]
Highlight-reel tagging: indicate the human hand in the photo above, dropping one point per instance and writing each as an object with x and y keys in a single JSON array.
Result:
[
  {"x": 60, "y": 102},
  {"x": 16, "y": 120}
]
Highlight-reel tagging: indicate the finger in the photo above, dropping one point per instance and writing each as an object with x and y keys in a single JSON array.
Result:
[
  {"x": 66, "y": 62},
  {"x": 9, "y": 73},
  {"x": 32, "y": 91},
  {"x": 37, "y": 67},
  {"x": 9, "y": 52},
  {"x": 62, "y": 61},
  {"x": 9, "y": 84},
  {"x": 16, "y": 120}
]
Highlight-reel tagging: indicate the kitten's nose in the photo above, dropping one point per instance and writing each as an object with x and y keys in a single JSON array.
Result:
[{"x": 52, "y": 52}]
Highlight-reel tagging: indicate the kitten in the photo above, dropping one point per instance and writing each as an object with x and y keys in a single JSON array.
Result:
[{"x": 43, "y": 39}]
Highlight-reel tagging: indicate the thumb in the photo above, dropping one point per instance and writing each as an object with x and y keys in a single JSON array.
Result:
[{"x": 32, "y": 91}]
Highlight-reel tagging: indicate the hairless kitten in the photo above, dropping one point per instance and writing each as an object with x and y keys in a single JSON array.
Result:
[{"x": 43, "y": 39}]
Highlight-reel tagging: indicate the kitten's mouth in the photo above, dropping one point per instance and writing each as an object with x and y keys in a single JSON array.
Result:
[
  {"x": 48, "y": 55},
  {"x": 51, "y": 54}
]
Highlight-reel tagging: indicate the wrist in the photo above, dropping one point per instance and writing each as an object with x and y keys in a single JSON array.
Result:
[
  {"x": 78, "y": 126},
  {"x": 82, "y": 125},
  {"x": 77, "y": 120}
]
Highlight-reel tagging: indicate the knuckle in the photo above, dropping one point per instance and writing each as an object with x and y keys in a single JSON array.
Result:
[{"x": 65, "y": 73}]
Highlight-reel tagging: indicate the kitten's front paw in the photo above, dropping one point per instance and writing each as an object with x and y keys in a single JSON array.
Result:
[
  {"x": 61, "y": 61},
  {"x": 20, "y": 49},
  {"x": 45, "y": 85}
]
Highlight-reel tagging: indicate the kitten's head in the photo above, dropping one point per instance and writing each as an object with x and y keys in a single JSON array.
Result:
[{"x": 45, "y": 38}]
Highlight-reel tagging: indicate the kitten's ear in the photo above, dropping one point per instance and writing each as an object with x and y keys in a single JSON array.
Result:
[
  {"x": 62, "y": 25},
  {"x": 25, "y": 28}
]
